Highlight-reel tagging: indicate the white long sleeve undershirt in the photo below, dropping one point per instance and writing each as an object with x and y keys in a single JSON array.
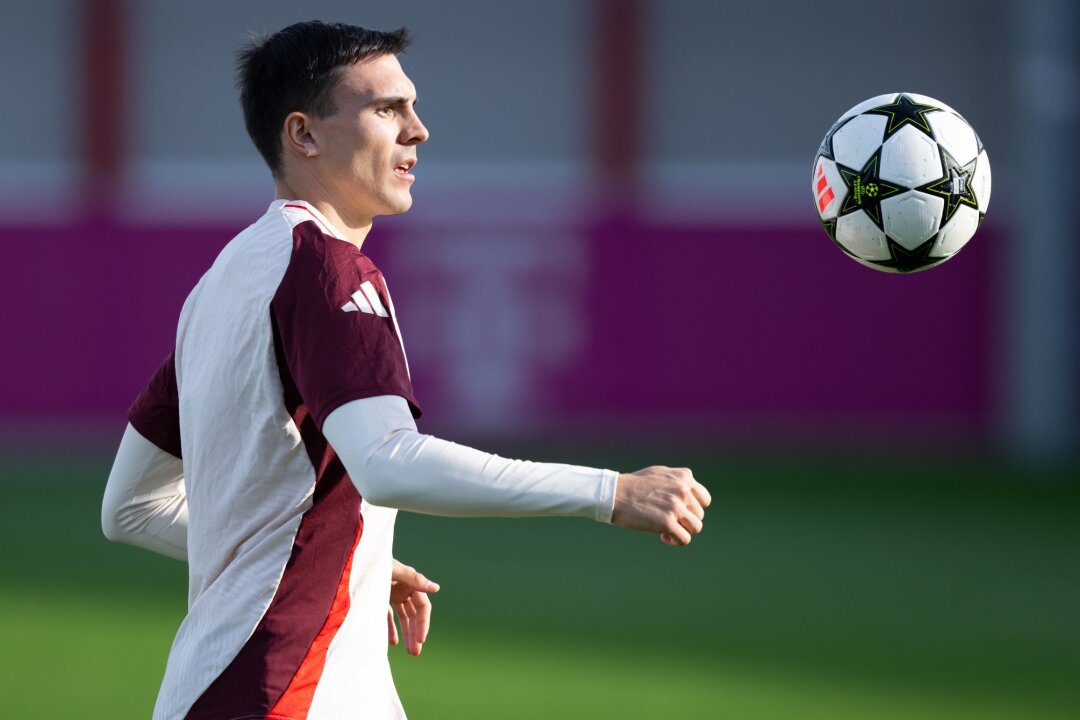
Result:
[
  {"x": 145, "y": 501},
  {"x": 391, "y": 464}
]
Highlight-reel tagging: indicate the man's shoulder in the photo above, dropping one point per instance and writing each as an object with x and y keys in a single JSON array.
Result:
[
  {"x": 318, "y": 248},
  {"x": 250, "y": 264}
]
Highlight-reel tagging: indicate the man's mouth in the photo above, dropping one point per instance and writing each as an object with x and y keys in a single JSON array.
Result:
[{"x": 402, "y": 170}]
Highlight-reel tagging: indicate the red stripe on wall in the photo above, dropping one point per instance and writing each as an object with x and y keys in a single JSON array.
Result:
[
  {"x": 104, "y": 101},
  {"x": 618, "y": 79}
]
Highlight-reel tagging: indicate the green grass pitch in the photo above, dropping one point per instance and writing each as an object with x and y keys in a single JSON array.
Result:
[{"x": 821, "y": 589}]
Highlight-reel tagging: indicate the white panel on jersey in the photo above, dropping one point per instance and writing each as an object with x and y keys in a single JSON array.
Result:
[
  {"x": 956, "y": 232},
  {"x": 828, "y": 196},
  {"x": 858, "y": 140},
  {"x": 955, "y": 135},
  {"x": 912, "y": 218},
  {"x": 910, "y": 158},
  {"x": 980, "y": 182},
  {"x": 299, "y": 211},
  {"x": 858, "y": 233}
]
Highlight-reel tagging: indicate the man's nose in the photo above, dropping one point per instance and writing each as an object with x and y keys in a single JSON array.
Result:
[{"x": 416, "y": 133}]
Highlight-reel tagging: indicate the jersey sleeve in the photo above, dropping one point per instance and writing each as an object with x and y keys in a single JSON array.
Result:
[
  {"x": 155, "y": 414},
  {"x": 334, "y": 334}
]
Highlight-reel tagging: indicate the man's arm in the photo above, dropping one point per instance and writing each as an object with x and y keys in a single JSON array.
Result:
[
  {"x": 394, "y": 465},
  {"x": 145, "y": 500}
]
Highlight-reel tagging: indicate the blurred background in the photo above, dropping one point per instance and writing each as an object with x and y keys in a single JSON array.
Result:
[{"x": 613, "y": 258}]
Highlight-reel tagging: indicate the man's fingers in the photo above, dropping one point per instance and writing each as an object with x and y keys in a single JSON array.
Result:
[
  {"x": 688, "y": 512},
  {"x": 421, "y": 583},
  {"x": 695, "y": 507},
  {"x": 404, "y": 621},
  {"x": 414, "y": 615},
  {"x": 391, "y": 628},
  {"x": 401, "y": 590},
  {"x": 702, "y": 494},
  {"x": 415, "y": 580},
  {"x": 422, "y": 621},
  {"x": 677, "y": 533},
  {"x": 692, "y": 523}
]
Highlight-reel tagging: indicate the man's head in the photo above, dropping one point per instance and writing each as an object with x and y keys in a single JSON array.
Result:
[{"x": 330, "y": 105}]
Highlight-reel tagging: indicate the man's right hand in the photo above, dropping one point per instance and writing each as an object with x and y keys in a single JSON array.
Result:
[{"x": 662, "y": 500}]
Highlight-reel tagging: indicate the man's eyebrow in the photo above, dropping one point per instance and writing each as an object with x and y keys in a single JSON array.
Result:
[{"x": 393, "y": 101}]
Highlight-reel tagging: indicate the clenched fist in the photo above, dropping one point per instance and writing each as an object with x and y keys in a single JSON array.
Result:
[{"x": 662, "y": 500}]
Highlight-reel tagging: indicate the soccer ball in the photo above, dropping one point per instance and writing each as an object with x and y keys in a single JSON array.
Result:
[{"x": 901, "y": 182}]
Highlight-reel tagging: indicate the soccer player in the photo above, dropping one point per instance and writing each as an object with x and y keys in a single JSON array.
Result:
[{"x": 275, "y": 444}]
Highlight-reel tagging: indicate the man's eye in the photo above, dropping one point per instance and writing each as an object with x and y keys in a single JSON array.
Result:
[{"x": 385, "y": 110}]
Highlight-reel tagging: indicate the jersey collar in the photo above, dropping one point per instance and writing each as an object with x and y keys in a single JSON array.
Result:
[{"x": 326, "y": 225}]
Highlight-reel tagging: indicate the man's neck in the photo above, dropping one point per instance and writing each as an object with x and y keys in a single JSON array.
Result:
[{"x": 352, "y": 230}]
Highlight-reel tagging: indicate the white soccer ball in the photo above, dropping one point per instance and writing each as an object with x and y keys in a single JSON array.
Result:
[{"x": 901, "y": 182}]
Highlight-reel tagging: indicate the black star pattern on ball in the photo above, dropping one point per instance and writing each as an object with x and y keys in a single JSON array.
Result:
[
  {"x": 905, "y": 261},
  {"x": 904, "y": 111},
  {"x": 866, "y": 189},
  {"x": 954, "y": 186},
  {"x": 830, "y": 228}
]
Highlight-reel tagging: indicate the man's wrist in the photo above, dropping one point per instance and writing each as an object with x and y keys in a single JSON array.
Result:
[{"x": 609, "y": 483}]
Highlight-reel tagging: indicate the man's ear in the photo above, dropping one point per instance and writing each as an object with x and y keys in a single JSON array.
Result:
[{"x": 298, "y": 137}]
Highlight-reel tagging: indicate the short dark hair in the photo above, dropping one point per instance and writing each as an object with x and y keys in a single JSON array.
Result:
[{"x": 296, "y": 69}]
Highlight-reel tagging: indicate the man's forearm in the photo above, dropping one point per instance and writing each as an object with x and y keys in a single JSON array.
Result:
[
  {"x": 395, "y": 466},
  {"x": 145, "y": 501}
]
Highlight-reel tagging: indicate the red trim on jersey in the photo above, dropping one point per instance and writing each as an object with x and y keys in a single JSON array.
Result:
[
  {"x": 296, "y": 701},
  {"x": 326, "y": 228}
]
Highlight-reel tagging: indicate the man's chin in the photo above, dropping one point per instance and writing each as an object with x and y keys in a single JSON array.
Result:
[{"x": 397, "y": 205}]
